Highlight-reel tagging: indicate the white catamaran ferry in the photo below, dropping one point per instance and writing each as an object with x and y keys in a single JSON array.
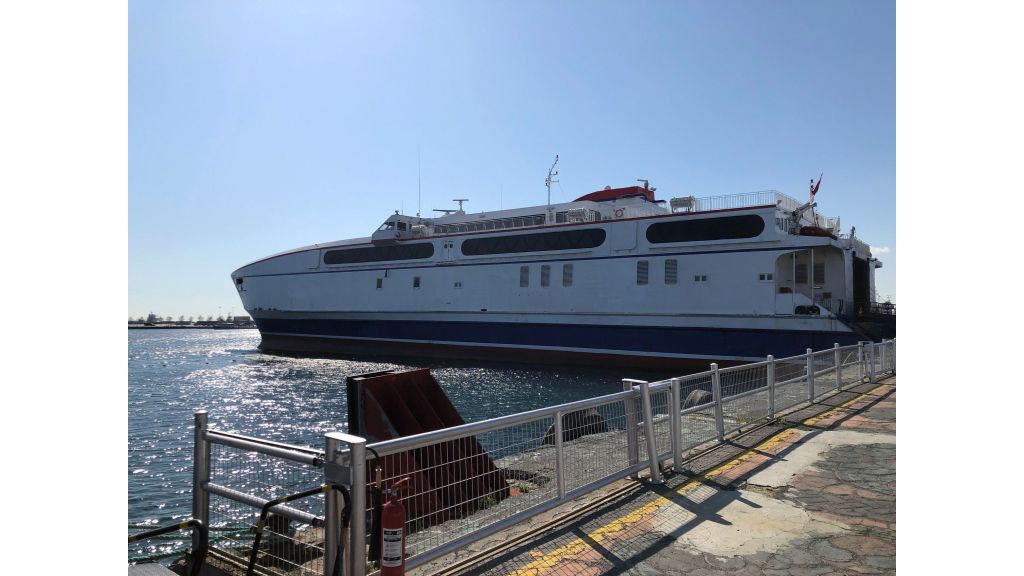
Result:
[{"x": 615, "y": 277}]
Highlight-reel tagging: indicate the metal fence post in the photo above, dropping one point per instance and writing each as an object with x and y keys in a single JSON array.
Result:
[
  {"x": 810, "y": 375},
  {"x": 652, "y": 445},
  {"x": 200, "y": 475},
  {"x": 839, "y": 369},
  {"x": 356, "y": 561},
  {"x": 332, "y": 508},
  {"x": 881, "y": 363},
  {"x": 771, "y": 387},
  {"x": 716, "y": 391},
  {"x": 633, "y": 450},
  {"x": 893, "y": 361},
  {"x": 559, "y": 456},
  {"x": 860, "y": 361},
  {"x": 676, "y": 427},
  {"x": 871, "y": 363}
]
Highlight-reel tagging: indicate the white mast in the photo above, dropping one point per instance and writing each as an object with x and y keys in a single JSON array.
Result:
[
  {"x": 419, "y": 193},
  {"x": 548, "y": 180}
]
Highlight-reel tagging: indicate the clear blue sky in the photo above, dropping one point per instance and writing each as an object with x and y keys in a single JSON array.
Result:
[{"x": 255, "y": 127}]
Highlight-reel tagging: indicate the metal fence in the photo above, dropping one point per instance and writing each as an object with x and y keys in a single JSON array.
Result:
[
  {"x": 474, "y": 480},
  {"x": 743, "y": 200},
  {"x": 237, "y": 479}
]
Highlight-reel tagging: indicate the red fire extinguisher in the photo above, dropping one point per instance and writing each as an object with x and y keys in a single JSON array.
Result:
[{"x": 392, "y": 521}]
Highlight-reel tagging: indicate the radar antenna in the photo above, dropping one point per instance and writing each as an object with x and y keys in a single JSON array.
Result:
[
  {"x": 548, "y": 181},
  {"x": 459, "y": 211}
]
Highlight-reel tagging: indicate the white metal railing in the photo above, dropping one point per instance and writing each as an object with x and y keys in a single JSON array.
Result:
[
  {"x": 787, "y": 203},
  {"x": 546, "y": 457},
  {"x": 470, "y": 481},
  {"x": 744, "y": 200}
]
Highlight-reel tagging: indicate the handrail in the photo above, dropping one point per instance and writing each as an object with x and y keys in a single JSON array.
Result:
[
  {"x": 298, "y": 454},
  {"x": 265, "y": 510},
  {"x": 404, "y": 443},
  {"x": 198, "y": 555}
]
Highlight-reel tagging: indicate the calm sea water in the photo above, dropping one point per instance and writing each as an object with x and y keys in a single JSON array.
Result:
[{"x": 172, "y": 373}]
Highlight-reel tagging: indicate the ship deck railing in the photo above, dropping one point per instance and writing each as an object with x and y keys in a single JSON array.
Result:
[{"x": 544, "y": 458}]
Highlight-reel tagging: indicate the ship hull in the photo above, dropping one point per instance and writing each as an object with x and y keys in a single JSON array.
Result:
[
  {"x": 633, "y": 346},
  {"x": 661, "y": 291}
]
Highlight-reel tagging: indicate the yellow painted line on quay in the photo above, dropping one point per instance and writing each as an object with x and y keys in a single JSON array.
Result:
[{"x": 544, "y": 562}]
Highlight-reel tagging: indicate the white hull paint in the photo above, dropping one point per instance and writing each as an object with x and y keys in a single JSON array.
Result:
[{"x": 729, "y": 288}]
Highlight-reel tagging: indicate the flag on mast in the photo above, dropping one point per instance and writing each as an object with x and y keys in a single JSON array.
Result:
[{"x": 814, "y": 187}]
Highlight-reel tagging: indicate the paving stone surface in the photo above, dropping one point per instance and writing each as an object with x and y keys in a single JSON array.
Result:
[{"x": 834, "y": 513}]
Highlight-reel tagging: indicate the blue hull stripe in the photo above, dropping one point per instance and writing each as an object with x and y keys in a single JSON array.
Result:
[{"x": 700, "y": 342}]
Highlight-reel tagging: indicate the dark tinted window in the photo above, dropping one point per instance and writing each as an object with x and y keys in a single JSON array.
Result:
[
  {"x": 379, "y": 254},
  {"x": 541, "y": 242},
  {"x": 727, "y": 228}
]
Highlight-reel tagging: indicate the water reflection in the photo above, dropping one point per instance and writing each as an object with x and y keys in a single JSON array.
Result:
[{"x": 172, "y": 373}]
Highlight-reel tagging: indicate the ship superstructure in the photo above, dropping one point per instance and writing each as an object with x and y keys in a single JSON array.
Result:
[{"x": 614, "y": 277}]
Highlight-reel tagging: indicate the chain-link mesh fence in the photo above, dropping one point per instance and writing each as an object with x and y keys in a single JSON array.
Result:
[
  {"x": 287, "y": 546},
  {"x": 476, "y": 478}
]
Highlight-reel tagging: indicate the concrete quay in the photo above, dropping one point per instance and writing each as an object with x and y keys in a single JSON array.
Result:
[{"x": 813, "y": 493}]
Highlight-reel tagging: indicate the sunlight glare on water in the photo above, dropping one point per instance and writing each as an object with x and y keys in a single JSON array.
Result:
[{"x": 173, "y": 373}]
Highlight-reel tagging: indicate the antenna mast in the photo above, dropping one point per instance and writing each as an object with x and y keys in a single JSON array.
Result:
[
  {"x": 419, "y": 196},
  {"x": 548, "y": 181}
]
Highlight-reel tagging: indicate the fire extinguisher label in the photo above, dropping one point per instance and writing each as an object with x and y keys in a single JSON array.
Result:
[{"x": 391, "y": 556}]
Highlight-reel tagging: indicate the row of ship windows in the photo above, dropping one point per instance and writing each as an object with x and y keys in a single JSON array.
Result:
[
  {"x": 643, "y": 268},
  {"x": 709, "y": 229},
  {"x": 642, "y": 275}
]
